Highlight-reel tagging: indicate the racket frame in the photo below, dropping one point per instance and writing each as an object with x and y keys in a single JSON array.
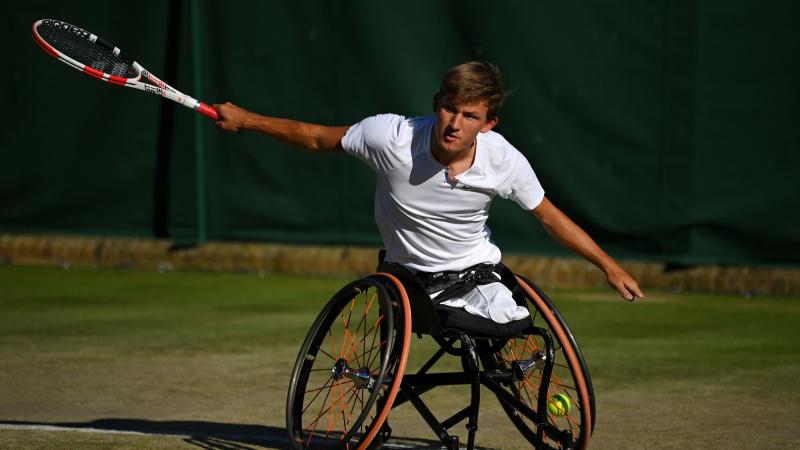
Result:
[{"x": 144, "y": 79}]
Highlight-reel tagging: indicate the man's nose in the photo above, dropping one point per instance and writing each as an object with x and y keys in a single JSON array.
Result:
[{"x": 455, "y": 121}]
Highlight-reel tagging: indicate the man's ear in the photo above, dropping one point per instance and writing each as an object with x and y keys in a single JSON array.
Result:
[
  {"x": 490, "y": 124},
  {"x": 436, "y": 97}
]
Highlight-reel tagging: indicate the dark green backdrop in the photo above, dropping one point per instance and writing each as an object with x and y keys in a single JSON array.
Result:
[{"x": 668, "y": 129}]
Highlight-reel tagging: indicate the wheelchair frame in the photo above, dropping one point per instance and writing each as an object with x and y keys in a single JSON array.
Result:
[{"x": 523, "y": 369}]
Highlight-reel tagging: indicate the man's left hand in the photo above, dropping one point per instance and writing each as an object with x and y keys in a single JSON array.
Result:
[{"x": 627, "y": 287}]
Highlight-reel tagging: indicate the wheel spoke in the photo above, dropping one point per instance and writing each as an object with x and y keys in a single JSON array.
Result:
[{"x": 319, "y": 391}]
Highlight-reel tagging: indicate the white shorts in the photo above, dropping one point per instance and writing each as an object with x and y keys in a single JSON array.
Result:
[{"x": 492, "y": 301}]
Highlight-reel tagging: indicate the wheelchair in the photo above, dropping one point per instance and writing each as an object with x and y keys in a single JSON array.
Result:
[{"x": 351, "y": 368}]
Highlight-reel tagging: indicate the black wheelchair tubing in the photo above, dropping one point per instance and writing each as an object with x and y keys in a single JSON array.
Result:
[
  {"x": 576, "y": 348},
  {"x": 323, "y": 321}
]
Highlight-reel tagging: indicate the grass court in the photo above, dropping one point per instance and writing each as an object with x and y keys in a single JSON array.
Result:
[{"x": 93, "y": 358}]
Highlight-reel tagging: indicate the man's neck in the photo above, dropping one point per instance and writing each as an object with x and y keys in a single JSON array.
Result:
[{"x": 458, "y": 162}]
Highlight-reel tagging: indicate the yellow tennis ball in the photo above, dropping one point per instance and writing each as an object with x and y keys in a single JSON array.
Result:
[{"x": 559, "y": 405}]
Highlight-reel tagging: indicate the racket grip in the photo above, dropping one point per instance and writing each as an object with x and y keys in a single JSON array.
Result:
[{"x": 208, "y": 111}]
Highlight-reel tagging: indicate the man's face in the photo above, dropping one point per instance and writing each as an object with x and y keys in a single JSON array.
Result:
[{"x": 458, "y": 124}]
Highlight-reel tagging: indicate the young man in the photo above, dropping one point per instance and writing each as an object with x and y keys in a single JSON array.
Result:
[{"x": 436, "y": 179}]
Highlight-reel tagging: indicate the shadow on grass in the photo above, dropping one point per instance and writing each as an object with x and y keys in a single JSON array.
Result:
[{"x": 204, "y": 435}]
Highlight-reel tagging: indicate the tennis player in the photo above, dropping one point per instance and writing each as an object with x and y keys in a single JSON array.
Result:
[{"x": 437, "y": 176}]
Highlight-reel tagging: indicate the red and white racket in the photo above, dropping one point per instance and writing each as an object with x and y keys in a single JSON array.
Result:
[{"x": 98, "y": 58}]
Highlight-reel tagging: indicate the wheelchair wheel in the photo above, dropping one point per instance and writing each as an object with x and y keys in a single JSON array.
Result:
[
  {"x": 570, "y": 378},
  {"x": 350, "y": 366}
]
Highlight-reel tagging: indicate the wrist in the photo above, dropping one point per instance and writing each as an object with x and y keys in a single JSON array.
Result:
[
  {"x": 610, "y": 267},
  {"x": 248, "y": 120}
]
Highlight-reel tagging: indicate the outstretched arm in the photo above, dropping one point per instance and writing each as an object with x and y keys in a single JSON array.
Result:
[
  {"x": 299, "y": 134},
  {"x": 569, "y": 234}
]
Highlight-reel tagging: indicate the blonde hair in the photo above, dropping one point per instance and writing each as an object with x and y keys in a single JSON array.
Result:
[{"x": 472, "y": 82}]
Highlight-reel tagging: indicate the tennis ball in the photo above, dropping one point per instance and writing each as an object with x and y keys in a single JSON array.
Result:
[{"x": 559, "y": 405}]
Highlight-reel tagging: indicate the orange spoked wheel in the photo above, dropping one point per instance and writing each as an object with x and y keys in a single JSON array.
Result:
[
  {"x": 525, "y": 356},
  {"x": 349, "y": 368}
]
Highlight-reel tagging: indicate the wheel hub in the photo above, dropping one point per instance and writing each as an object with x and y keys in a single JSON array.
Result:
[
  {"x": 361, "y": 378},
  {"x": 522, "y": 367}
]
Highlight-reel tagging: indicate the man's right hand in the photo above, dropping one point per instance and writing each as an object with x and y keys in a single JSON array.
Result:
[{"x": 231, "y": 117}]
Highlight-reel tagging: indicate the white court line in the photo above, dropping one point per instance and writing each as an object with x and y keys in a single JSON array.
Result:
[{"x": 5, "y": 426}]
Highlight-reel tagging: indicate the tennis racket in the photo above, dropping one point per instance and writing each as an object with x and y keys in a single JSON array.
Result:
[{"x": 98, "y": 58}]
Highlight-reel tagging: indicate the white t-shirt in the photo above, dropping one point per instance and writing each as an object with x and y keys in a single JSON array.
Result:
[{"x": 427, "y": 222}]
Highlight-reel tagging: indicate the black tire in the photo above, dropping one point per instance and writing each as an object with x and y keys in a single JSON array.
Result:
[
  {"x": 345, "y": 377},
  {"x": 570, "y": 377}
]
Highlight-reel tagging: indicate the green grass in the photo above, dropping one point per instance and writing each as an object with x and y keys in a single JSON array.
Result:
[
  {"x": 182, "y": 351},
  {"x": 144, "y": 312}
]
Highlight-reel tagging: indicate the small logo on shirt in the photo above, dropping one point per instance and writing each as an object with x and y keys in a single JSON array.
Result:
[{"x": 456, "y": 183}]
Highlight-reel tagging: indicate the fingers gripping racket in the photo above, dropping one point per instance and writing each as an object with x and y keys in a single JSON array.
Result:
[{"x": 96, "y": 57}]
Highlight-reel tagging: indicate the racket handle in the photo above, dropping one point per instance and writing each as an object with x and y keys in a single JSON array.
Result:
[{"x": 208, "y": 111}]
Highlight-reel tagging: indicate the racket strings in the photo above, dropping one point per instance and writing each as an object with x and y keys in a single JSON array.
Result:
[{"x": 86, "y": 52}]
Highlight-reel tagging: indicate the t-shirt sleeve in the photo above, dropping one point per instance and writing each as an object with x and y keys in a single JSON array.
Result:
[
  {"x": 374, "y": 140},
  {"x": 522, "y": 185}
]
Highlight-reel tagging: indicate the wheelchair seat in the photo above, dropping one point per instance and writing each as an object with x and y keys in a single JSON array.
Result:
[{"x": 425, "y": 312}]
